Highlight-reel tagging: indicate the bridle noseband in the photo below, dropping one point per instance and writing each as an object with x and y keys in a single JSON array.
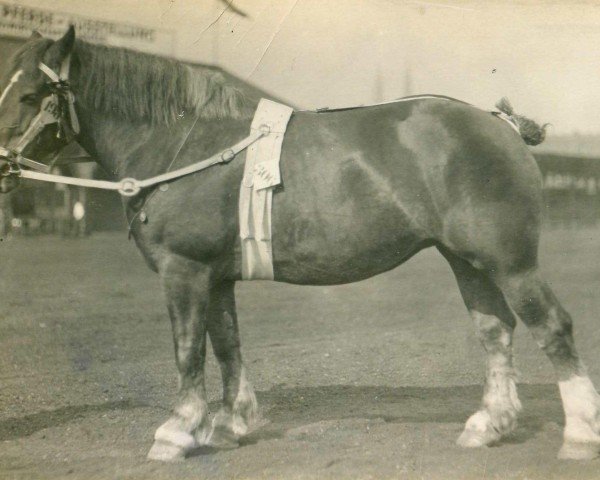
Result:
[{"x": 58, "y": 107}]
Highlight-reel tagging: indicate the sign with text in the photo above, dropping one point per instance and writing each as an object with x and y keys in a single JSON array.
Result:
[{"x": 19, "y": 21}]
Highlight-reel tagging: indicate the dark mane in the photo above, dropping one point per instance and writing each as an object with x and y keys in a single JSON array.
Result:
[{"x": 139, "y": 86}]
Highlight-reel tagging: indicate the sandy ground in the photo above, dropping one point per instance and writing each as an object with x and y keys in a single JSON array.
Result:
[{"x": 370, "y": 380}]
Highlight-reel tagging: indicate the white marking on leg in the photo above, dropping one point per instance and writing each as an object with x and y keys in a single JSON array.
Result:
[
  {"x": 501, "y": 389},
  {"x": 191, "y": 414},
  {"x": 581, "y": 404},
  {"x": 498, "y": 414},
  {"x": 228, "y": 427},
  {"x": 244, "y": 407},
  {"x": 500, "y": 396}
]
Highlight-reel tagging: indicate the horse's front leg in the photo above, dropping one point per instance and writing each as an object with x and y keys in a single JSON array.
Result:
[
  {"x": 186, "y": 285},
  {"x": 239, "y": 402}
]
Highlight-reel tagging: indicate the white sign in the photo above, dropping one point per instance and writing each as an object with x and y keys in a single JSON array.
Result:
[{"x": 19, "y": 21}]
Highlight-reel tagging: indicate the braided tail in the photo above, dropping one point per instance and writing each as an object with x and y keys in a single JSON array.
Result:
[{"x": 531, "y": 132}]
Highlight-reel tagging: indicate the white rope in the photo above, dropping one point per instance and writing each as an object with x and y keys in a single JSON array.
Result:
[{"x": 129, "y": 187}]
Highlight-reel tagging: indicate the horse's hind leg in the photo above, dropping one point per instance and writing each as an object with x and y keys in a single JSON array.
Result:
[
  {"x": 495, "y": 323},
  {"x": 186, "y": 286},
  {"x": 533, "y": 300},
  {"x": 238, "y": 412}
]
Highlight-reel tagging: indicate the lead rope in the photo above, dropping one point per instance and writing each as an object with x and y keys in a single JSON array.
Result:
[{"x": 130, "y": 187}]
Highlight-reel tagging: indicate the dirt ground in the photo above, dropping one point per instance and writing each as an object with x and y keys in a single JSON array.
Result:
[{"x": 370, "y": 380}]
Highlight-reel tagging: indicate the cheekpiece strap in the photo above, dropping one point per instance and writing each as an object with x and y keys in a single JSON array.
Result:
[
  {"x": 49, "y": 72},
  {"x": 62, "y": 82}
]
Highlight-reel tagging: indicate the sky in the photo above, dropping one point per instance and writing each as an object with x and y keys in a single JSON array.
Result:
[{"x": 544, "y": 56}]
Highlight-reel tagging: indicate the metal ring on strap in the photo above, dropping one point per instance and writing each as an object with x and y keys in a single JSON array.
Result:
[
  {"x": 227, "y": 155},
  {"x": 129, "y": 187}
]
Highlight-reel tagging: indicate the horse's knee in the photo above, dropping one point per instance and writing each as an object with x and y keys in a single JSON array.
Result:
[{"x": 494, "y": 333}]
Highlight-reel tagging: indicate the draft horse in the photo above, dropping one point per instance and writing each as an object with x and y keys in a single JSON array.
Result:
[{"x": 363, "y": 190}]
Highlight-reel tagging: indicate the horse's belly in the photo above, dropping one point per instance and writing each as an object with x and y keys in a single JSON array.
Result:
[{"x": 334, "y": 249}]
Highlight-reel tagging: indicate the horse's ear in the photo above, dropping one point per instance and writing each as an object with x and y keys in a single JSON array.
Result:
[
  {"x": 35, "y": 35},
  {"x": 63, "y": 46}
]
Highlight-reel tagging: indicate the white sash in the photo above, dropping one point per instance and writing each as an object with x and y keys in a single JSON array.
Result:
[{"x": 261, "y": 175}]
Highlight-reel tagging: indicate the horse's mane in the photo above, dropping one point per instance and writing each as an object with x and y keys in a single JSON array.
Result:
[{"x": 138, "y": 86}]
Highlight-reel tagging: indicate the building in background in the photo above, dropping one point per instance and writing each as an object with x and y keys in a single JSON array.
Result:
[{"x": 17, "y": 22}]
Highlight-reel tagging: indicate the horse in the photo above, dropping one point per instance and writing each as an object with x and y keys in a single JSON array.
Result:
[{"x": 364, "y": 189}]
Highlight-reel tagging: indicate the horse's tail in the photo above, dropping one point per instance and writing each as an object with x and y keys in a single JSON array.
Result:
[{"x": 531, "y": 132}]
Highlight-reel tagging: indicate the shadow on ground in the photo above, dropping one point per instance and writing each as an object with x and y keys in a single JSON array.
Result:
[
  {"x": 18, "y": 427},
  {"x": 285, "y": 408}
]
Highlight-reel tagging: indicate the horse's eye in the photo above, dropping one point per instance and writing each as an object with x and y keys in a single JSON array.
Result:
[{"x": 30, "y": 99}]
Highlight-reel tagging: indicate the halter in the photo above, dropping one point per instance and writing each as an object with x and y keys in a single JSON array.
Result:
[{"x": 58, "y": 107}]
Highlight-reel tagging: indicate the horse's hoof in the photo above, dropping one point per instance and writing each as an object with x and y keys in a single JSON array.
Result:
[
  {"x": 478, "y": 431},
  {"x": 223, "y": 438},
  {"x": 473, "y": 439},
  {"x": 579, "y": 450},
  {"x": 166, "y": 452},
  {"x": 171, "y": 445}
]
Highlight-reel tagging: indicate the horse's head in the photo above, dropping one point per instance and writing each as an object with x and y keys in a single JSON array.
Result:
[{"x": 37, "y": 116}]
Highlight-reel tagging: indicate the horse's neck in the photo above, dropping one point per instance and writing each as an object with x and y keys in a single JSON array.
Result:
[
  {"x": 142, "y": 150},
  {"x": 120, "y": 146},
  {"x": 150, "y": 147}
]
